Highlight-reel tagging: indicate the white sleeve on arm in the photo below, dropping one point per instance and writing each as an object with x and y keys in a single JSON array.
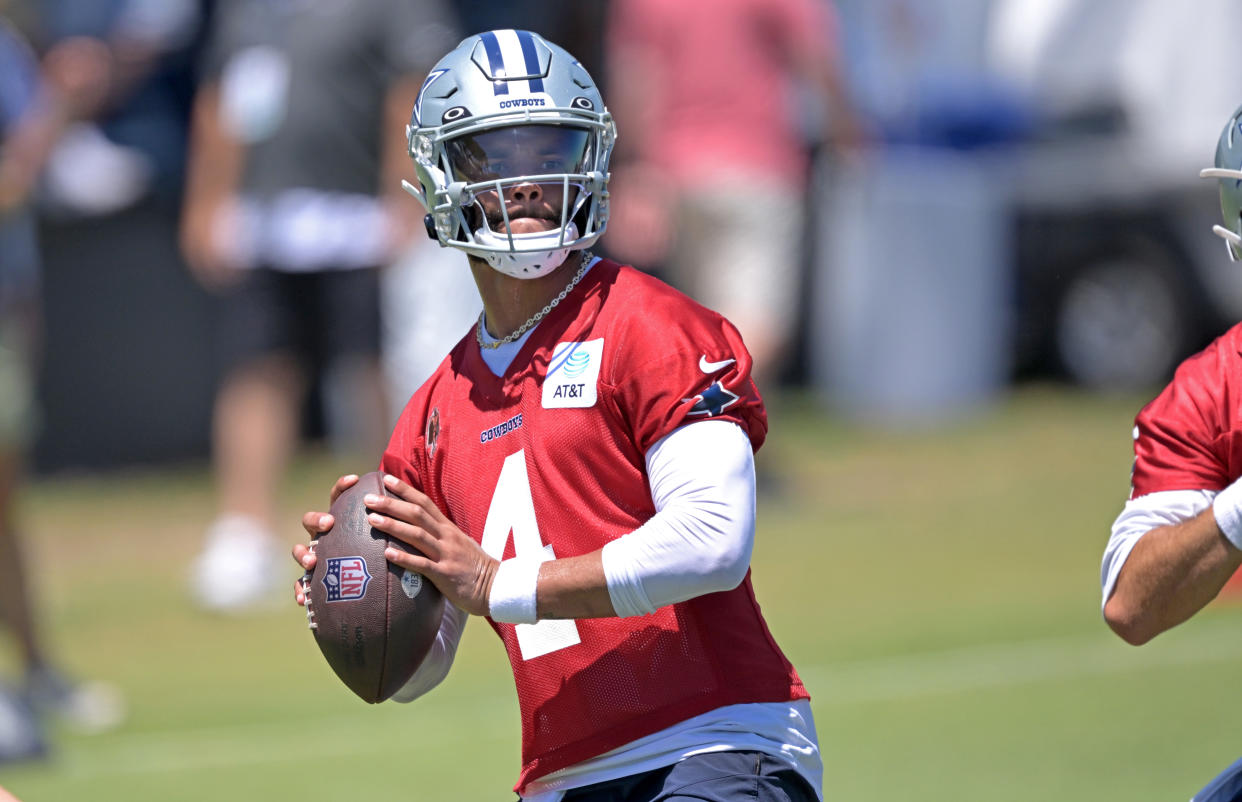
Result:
[
  {"x": 700, "y": 539},
  {"x": 1140, "y": 516},
  {"x": 439, "y": 660}
]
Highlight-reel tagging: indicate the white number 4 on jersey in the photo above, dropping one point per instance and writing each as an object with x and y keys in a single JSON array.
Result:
[{"x": 512, "y": 511}]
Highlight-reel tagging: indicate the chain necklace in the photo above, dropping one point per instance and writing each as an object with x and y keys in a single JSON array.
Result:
[{"x": 587, "y": 256}]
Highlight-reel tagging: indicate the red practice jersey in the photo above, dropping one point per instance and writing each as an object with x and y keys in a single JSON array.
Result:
[
  {"x": 1190, "y": 436},
  {"x": 548, "y": 460}
]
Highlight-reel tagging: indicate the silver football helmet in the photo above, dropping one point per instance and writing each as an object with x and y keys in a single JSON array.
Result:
[
  {"x": 1229, "y": 170},
  {"x": 510, "y": 125}
]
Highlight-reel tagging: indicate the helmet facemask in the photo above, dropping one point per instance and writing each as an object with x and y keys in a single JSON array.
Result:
[
  {"x": 540, "y": 172},
  {"x": 1228, "y": 171}
]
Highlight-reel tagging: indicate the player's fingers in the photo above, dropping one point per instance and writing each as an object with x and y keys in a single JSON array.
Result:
[
  {"x": 413, "y": 495},
  {"x": 413, "y": 562},
  {"x": 407, "y": 491},
  {"x": 304, "y": 557},
  {"x": 316, "y": 523},
  {"x": 416, "y": 536},
  {"x": 344, "y": 483},
  {"x": 299, "y": 593},
  {"x": 402, "y": 510}
]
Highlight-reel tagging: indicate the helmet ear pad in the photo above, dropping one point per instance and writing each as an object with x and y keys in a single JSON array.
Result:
[
  {"x": 472, "y": 214},
  {"x": 475, "y": 218}
]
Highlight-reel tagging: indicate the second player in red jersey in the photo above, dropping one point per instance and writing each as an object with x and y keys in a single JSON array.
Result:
[{"x": 1178, "y": 540}]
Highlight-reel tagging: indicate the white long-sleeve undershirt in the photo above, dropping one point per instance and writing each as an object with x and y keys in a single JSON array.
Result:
[
  {"x": 435, "y": 666},
  {"x": 699, "y": 541},
  {"x": 1140, "y": 516}
]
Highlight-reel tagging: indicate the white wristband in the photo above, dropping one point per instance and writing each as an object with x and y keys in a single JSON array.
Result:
[
  {"x": 513, "y": 596},
  {"x": 1227, "y": 508}
]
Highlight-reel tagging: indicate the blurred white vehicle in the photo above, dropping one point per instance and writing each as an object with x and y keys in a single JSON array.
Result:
[
  {"x": 1119, "y": 277},
  {"x": 1092, "y": 119}
]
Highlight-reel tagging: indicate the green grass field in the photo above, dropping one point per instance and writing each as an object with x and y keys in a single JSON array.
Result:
[{"x": 937, "y": 589}]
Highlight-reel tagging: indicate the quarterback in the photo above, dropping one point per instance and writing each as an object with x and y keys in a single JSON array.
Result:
[
  {"x": 579, "y": 470},
  {"x": 1179, "y": 537}
]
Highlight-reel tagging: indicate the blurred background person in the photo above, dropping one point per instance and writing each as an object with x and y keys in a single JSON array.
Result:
[
  {"x": 725, "y": 139},
  {"x": 293, "y": 202},
  {"x": 38, "y": 100},
  {"x": 117, "y": 295},
  {"x": 131, "y": 147}
]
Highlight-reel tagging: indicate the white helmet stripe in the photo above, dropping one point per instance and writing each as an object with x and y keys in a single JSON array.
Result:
[{"x": 517, "y": 50}]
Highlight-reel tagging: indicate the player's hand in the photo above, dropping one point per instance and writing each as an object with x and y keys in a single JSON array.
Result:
[
  {"x": 210, "y": 231},
  {"x": 450, "y": 558},
  {"x": 316, "y": 523},
  {"x": 81, "y": 69}
]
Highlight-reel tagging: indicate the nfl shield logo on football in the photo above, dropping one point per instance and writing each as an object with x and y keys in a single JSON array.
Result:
[{"x": 346, "y": 578}]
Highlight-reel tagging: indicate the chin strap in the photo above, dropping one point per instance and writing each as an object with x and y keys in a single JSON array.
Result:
[
  {"x": 539, "y": 255},
  {"x": 1233, "y": 242}
]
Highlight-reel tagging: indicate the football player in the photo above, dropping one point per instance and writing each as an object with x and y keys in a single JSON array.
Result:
[
  {"x": 579, "y": 470},
  {"x": 1178, "y": 539}
]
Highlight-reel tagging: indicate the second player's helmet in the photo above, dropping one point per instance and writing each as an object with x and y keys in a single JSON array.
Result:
[
  {"x": 503, "y": 110},
  {"x": 1228, "y": 171}
]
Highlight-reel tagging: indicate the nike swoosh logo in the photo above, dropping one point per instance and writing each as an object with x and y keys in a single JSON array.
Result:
[{"x": 712, "y": 367}]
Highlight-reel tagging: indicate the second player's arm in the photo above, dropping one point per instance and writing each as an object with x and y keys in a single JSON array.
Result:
[{"x": 1171, "y": 570}]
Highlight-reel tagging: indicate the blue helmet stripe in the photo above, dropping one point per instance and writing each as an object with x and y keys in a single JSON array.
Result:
[
  {"x": 532, "y": 59},
  {"x": 496, "y": 61}
]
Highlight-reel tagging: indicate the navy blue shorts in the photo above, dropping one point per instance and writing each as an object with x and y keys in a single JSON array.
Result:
[
  {"x": 1226, "y": 787},
  {"x": 713, "y": 777}
]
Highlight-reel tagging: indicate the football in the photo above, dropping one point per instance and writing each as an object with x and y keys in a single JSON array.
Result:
[{"x": 373, "y": 621}]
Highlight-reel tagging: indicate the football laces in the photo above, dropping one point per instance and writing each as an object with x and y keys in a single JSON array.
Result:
[{"x": 306, "y": 594}]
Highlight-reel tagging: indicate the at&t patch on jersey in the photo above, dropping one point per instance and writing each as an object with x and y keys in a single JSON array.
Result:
[
  {"x": 573, "y": 375},
  {"x": 346, "y": 579}
]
